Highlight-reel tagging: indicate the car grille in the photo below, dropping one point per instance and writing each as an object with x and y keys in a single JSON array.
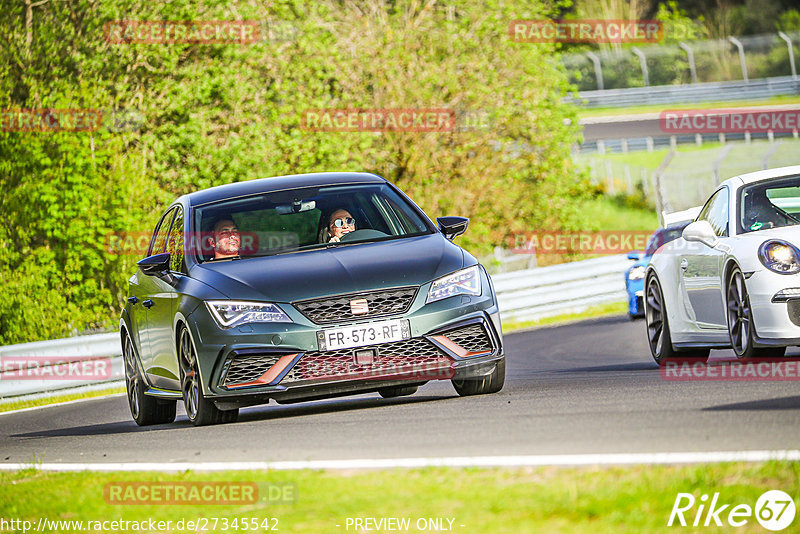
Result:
[
  {"x": 337, "y": 309},
  {"x": 473, "y": 338},
  {"x": 244, "y": 369},
  {"x": 414, "y": 358},
  {"x": 417, "y": 357}
]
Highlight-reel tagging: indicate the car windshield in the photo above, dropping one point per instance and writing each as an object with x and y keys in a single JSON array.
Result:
[
  {"x": 662, "y": 237},
  {"x": 304, "y": 219},
  {"x": 768, "y": 205}
]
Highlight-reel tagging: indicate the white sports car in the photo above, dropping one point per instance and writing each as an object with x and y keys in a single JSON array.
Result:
[{"x": 733, "y": 279}]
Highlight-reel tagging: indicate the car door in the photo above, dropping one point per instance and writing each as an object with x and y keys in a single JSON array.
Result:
[
  {"x": 140, "y": 287},
  {"x": 162, "y": 369},
  {"x": 701, "y": 266},
  {"x": 149, "y": 291}
]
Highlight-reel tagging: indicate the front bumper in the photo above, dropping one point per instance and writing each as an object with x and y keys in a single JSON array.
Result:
[
  {"x": 776, "y": 323},
  {"x": 253, "y": 363}
]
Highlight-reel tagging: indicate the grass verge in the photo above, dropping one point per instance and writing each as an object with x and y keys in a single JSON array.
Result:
[
  {"x": 604, "y": 310},
  {"x": 642, "y": 158},
  {"x": 10, "y": 406},
  {"x": 608, "y": 214},
  {"x": 547, "y": 499}
]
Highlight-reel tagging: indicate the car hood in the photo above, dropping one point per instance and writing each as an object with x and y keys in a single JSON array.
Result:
[{"x": 332, "y": 271}]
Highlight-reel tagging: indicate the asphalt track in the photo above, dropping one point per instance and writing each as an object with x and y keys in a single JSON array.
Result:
[
  {"x": 645, "y": 125},
  {"x": 583, "y": 388},
  {"x": 649, "y": 124}
]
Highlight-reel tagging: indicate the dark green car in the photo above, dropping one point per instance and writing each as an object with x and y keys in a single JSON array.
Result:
[{"x": 299, "y": 288}]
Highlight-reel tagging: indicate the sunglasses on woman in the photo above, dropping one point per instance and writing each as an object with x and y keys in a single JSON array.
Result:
[{"x": 344, "y": 221}]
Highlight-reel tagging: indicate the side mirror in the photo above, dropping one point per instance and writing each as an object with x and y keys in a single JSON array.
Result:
[
  {"x": 702, "y": 232},
  {"x": 157, "y": 265},
  {"x": 635, "y": 255},
  {"x": 452, "y": 227}
]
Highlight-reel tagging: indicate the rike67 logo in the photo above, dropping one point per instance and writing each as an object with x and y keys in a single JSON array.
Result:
[{"x": 774, "y": 510}]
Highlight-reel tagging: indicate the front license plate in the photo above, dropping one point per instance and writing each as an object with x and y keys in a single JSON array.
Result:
[{"x": 363, "y": 334}]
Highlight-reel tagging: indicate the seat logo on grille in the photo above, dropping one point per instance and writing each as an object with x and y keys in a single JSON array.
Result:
[{"x": 359, "y": 306}]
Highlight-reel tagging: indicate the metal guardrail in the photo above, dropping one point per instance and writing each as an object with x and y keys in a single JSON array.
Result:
[
  {"x": 68, "y": 350},
  {"x": 696, "y": 92},
  {"x": 522, "y": 295},
  {"x": 554, "y": 290}
]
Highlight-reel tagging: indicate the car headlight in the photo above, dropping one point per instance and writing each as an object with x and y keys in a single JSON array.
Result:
[
  {"x": 779, "y": 256},
  {"x": 464, "y": 282},
  {"x": 637, "y": 273},
  {"x": 230, "y": 313}
]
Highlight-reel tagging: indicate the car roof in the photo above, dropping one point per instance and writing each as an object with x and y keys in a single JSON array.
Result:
[
  {"x": 278, "y": 183},
  {"x": 757, "y": 176}
]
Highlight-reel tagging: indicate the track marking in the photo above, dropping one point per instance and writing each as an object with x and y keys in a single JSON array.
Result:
[
  {"x": 64, "y": 403},
  {"x": 544, "y": 460}
]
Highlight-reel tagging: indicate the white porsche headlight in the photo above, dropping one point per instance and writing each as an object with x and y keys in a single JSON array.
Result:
[
  {"x": 230, "y": 313},
  {"x": 779, "y": 256},
  {"x": 464, "y": 282},
  {"x": 637, "y": 273}
]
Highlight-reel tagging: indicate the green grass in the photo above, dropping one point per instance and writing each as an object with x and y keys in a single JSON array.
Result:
[
  {"x": 547, "y": 499},
  {"x": 10, "y": 406},
  {"x": 604, "y": 310},
  {"x": 642, "y": 158},
  {"x": 607, "y": 214},
  {"x": 657, "y": 108}
]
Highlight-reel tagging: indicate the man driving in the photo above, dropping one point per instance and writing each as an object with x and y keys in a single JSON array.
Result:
[{"x": 226, "y": 240}]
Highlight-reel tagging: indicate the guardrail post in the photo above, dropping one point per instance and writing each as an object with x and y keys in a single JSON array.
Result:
[
  {"x": 645, "y": 184},
  {"x": 715, "y": 165},
  {"x": 740, "y": 46},
  {"x": 628, "y": 180},
  {"x": 643, "y": 62},
  {"x": 768, "y": 155},
  {"x": 791, "y": 52},
  {"x": 690, "y": 56},
  {"x": 662, "y": 203},
  {"x": 610, "y": 177},
  {"x": 598, "y": 69}
]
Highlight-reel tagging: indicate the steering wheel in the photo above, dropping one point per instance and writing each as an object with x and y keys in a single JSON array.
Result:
[{"x": 356, "y": 235}]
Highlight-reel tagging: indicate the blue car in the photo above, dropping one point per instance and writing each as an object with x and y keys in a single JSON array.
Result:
[{"x": 634, "y": 276}]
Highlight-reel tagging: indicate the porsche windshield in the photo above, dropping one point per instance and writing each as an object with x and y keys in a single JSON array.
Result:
[
  {"x": 773, "y": 204},
  {"x": 304, "y": 219}
]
